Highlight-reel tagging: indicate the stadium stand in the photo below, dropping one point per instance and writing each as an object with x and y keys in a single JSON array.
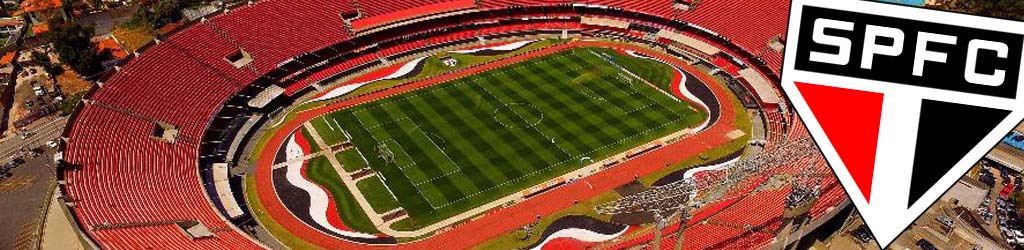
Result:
[
  {"x": 776, "y": 122},
  {"x": 275, "y": 31},
  {"x": 749, "y": 24},
  {"x": 119, "y": 193},
  {"x": 711, "y": 236},
  {"x": 756, "y": 211},
  {"x": 375, "y": 13},
  {"x": 653, "y": 7},
  {"x": 120, "y": 196},
  {"x": 149, "y": 87},
  {"x": 773, "y": 59},
  {"x": 751, "y": 221}
]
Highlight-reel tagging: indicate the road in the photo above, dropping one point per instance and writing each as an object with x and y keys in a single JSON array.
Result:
[
  {"x": 45, "y": 130},
  {"x": 29, "y": 186},
  {"x": 25, "y": 192}
]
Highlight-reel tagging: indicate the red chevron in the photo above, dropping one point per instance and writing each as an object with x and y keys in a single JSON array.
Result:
[{"x": 850, "y": 119}]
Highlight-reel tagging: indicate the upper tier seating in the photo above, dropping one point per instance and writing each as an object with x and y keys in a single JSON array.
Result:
[
  {"x": 275, "y": 30},
  {"x": 377, "y": 12},
  {"x": 490, "y": 4},
  {"x": 653, "y": 7},
  {"x": 749, "y": 24},
  {"x": 377, "y": 8},
  {"x": 161, "y": 80}
]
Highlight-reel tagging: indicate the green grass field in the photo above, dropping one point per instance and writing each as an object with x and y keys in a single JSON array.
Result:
[
  {"x": 659, "y": 74},
  {"x": 454, "y": 146},
  {"x": 323, "y": 174},
  {"x": 377, "y": 194},
  {"x": 350, "y": 160}
]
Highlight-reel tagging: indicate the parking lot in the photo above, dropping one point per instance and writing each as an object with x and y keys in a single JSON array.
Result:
[{"x": 973, "y": 215}]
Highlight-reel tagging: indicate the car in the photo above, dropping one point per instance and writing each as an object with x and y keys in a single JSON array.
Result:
[
  {"x": 39, "y": 91},
  {"x": 945, "y": 221},
  {"x": 862, "y": 234},
  {"x": 18, "y": 161},
  {"x": 926, "y": 245},
  {"x": 1018, "y": 235},
  {"x": 988, "y": 179},
  {"x": 26, "y": 135},
  {"x": 52, "y": 144}
]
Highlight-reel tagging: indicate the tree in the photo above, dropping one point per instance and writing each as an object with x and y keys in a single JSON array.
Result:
[
  {"x": 158, "y": 13},
  {"x": 1011, "y": 9},
  {"x": 72, "y": 43},
  {"x": 44, "y": 60}
]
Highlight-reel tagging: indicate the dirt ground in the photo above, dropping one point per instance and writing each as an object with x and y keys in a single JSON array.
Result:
[
  {"x": 133, "y": 38},
  {"x": 71, "y": 83}
]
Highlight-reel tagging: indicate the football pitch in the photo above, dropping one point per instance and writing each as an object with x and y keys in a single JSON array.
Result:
[{"x": 454, "y": 146}]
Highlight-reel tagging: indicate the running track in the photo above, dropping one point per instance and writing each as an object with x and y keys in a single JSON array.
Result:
[{"x": 497, "y": 222}]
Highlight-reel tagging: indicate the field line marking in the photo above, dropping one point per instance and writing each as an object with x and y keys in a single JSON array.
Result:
[
  {"x": 458, "y": 168},
  {"x": 367, "y": 130},
  {"x": 535, "y": 128},
  {"x": 406, "y": 174}
]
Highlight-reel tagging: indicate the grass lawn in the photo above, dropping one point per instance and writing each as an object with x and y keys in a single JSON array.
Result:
[
  {"x": 377, "y": 194},
  {"x": 351, "y": 160},
  {"x": 323, "y": 174},
  {"x": 454, "y": 146},
  {"x": 329, "y": 130},
  {"x": 659, "y": 74}
]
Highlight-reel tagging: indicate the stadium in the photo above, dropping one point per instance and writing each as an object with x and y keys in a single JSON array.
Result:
[{"x": 451, "y": 124}]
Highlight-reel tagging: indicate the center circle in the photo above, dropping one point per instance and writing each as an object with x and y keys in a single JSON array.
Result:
[{"x": 518, "y": 115}]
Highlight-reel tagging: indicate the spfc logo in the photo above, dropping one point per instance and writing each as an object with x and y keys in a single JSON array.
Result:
[{"x": 902, "y": 101}]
